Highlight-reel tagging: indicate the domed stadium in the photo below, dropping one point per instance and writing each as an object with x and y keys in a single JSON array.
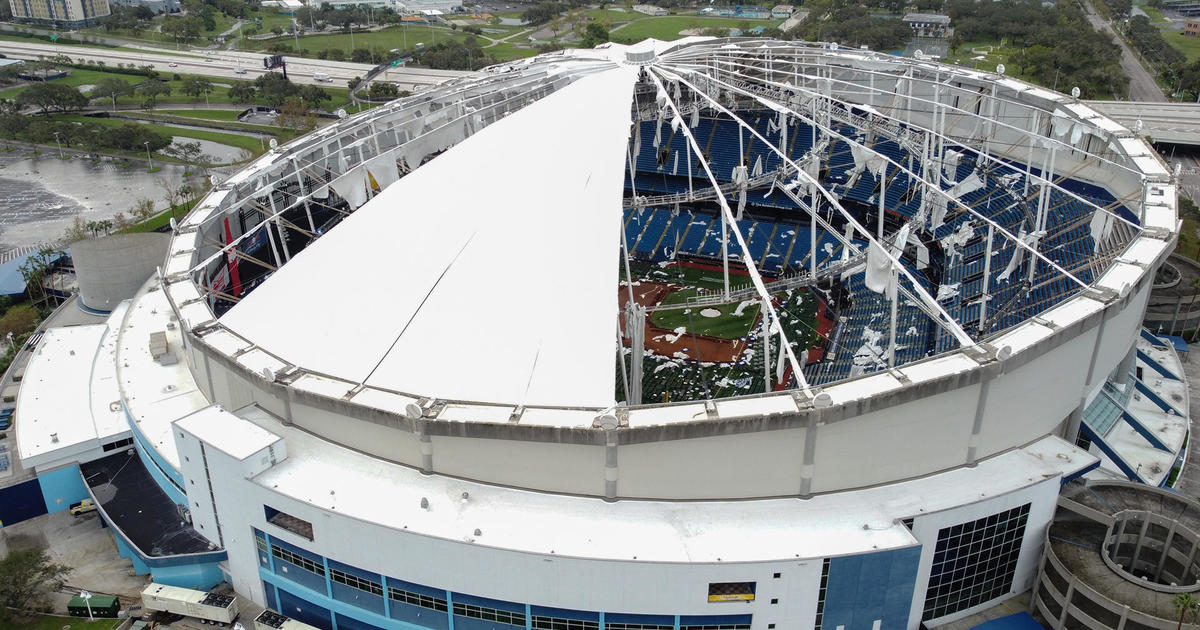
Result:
[{"x": 715, "y": 333}]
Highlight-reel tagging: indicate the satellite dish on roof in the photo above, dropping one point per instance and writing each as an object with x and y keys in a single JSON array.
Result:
[
  {"x": 341, "y": 113},
  {"x": 413, "y": 411},
  {"x": 1003, "y": 352},
  {"x": 274, "y": 143},
  {"x": 999, "y": 68},
  {"x": 268, "y": 374},
  {"x": 213, "y": 179},
  {"x": 822, "y": 400},
  {"x": 608, "y": 422},
  {"x": 1075, "y": 92}
]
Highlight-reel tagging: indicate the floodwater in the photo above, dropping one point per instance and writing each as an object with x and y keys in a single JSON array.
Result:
[
  {"x": 41, "y": 196},
  {"x": 221, "y": 153}
]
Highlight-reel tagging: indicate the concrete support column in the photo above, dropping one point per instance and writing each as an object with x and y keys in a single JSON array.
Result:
[
  {"x": 1137, "y": 549},
  {"x": 1126, "y": 366},
  {"x": 989, "y": 372},
  {"x": 1071, "y": 428},
  {"x": 610, "y": 465},
  {"x": 810, "y": 454},
  {"x": 426, "y": 445},
  {"x": 1124, "y": 617},
  {"x": 1066, "y": 605},
  {"x": 1166, "y": 551}
]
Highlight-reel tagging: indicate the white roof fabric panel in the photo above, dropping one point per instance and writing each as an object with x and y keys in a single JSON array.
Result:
[{"x": 489, "y": 274}]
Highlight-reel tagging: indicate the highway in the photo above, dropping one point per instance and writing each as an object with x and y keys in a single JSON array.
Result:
[
  {"x": 224, "y": 64},
  {"x": 1178, "y": 123}
]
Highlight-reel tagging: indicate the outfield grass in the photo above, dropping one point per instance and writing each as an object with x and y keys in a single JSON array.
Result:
[
  {"x": 50, "y": 622},
  {"x": 670, "y": 27},
  {"x": 728, "y": 325}
]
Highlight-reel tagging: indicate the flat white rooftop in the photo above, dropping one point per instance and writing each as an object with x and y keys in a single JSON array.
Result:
[
  {"x": 68, "y": 399},
  {"x": 342, "y": 480}
]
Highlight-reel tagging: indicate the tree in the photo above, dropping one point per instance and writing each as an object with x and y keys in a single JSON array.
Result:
[
  {"x": 35, "y": 270},
  {"x": 381, "y": 90},
  {"x": 25, "y": 577},
  {"x": 183, "y": 28},
  {"x": 150, "y": 92},
  {"x": 52, "y": 97},
  {"x": 1186, "y": 605},
  {"x": 295, "y": 115},
  {"x": 274, "y": 88},
  {"x": 542, "y": 12},
  {"x": 593, "y": 35},
  {"x": 197, "y": 86},
  {"x": 313, "y": 95},
  {"x": 12, "y": 122},
  {"x": 112, "y": 87},
  {"x": 142, "y": 210},
  {"x": 186, "y": 152},
  {"x": 360, "y": 55},
  {"x": 242, "y": 92}
]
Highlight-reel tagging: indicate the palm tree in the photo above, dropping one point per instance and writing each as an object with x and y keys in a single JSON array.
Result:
[{"x": 1186, "y": 604}]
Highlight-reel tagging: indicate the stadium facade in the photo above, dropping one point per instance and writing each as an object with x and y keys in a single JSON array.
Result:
[{"x": 413, "y": 371}]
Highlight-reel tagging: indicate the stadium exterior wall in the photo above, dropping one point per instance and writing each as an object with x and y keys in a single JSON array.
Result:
[
  {"x": 111, "y": 269},
  {"x": 1021, "y": 406},
  {"x": 577, "y": 584}
]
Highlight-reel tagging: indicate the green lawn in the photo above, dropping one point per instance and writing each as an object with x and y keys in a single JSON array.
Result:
[
  {"x": 515, "y": 48},
  {"x": 1189, "y": 46},
  {"x": 222, "y": 115},
  {"x": 243, "y": 142},
  {"x": 726, "y": 326},
  {"x": 49, "y": 622},
  {"x": 669, "y": 27},
  {"x": 403, "y": 37}
]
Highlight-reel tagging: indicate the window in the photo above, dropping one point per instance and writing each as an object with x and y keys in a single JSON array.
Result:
[
  {"x": 112, "y": 446},
  {"x": 353, "y": 581},
  {"x": 975, "y": 562},
  {"x": 298, "y": 560},
  {"x": 821, "y": 591},
  {"x": 732, "y": 626},
  {"x": 489, "y": 614},
  {"x": 731, "y": 591},
  {"x": 557, "y": 623},
  {"x": 297, "y": 526},
  {"x": 417, "y": 599},
  {"x": 777, "y": 576},
  {"x": 636, "y": 626}
]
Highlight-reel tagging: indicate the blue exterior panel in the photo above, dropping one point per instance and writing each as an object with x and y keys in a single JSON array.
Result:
[
  {"x": 467, "y": 623},
  {"x": 200, "y": 577},
  {"x": 350, "y": 623},
  {"x": 269, "y": 595},
  {"x": 62, "y": 487},
  {"x": 356, "y": 597},
  {"x": 419, "y": 616},
  {"x": 302, "y": 610},
  {"x": 21, "y": 502},
  {"x": 870, "y": 587}
]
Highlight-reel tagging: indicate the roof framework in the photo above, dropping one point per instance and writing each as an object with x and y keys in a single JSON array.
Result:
[{"x": 926, "y": 108}]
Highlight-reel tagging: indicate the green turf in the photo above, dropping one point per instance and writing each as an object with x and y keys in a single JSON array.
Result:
[
  {"x": 50, "y": 622},
  {"x": 404, "y": 38},
  {"x": 728, "y": 326},
  {"x": 254, "y": 145},
  {"x": 1186, "y": 44},
  {"x": 670, "y": 27},
  {"x": 222, "y": 115}
]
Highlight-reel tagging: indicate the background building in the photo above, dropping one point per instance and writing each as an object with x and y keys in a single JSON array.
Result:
[{"x": 64, "y": 13}]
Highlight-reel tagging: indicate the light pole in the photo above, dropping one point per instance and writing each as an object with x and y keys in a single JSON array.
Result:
[
  {"x": 87, "y": 600},
  {"x": 56, "y": 141},
  {"x": 296, "y": 32},
  {"x": 148, "y": 159}
]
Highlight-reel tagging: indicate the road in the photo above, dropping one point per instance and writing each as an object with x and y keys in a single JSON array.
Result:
[
  {"x": 226, "y": 64},
  {"x": 1164, "y": 122},
  {"x": 1141, "y": 83}
]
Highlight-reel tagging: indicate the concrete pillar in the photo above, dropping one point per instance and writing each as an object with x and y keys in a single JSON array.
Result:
[
  {"x": 1166, "y": 550},
  {"x": 1126, "y": 366},
  {"x": 610, "y": 465},
  {"x": 1066, "y": 605},
  {"x": 810, "y": 453}
]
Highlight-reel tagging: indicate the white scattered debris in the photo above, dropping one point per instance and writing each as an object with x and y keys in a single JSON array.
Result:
[{"x": 710, "y": 313}]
